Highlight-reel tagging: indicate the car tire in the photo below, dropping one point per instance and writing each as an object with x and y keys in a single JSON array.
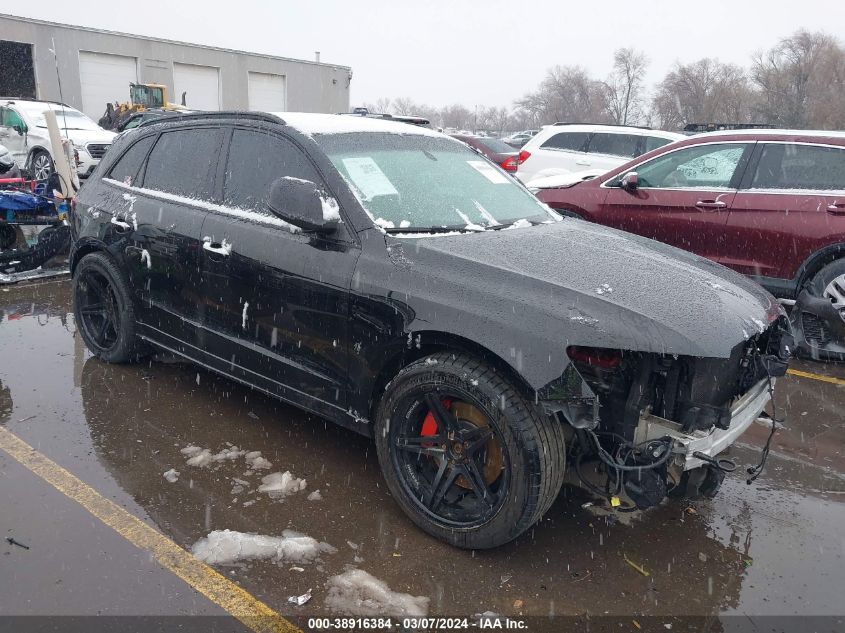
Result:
[
  {"x": 504, "y": 461},
  {"x": 827, "y": 282},
  {"x": 41, "y": 166},
  {"x": 104, "y": 310}
]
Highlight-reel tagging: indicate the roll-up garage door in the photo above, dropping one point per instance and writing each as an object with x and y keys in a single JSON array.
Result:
[
  {"x": 200, "y": 83},
  {"x": 105, "y": 79},
  {"x": 266, "y": 92}
]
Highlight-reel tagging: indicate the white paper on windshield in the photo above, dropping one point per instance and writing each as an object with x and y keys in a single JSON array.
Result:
[
  {"x": 489, "y": 172},
  {"x": 368, "y": 177}
]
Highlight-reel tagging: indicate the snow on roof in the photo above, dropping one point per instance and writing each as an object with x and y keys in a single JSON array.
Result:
[{"x": 311, "y": 123}]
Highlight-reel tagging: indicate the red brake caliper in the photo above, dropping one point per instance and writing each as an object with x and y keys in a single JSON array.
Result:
[{"x": 429, "y": 426}]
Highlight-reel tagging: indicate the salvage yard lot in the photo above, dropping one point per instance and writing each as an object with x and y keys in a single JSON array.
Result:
[{"x": 774, "y": 548}]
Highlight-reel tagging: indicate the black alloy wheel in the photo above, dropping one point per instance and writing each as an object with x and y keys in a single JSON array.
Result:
[
  {"x": 450, "y": 458},
  {"x": 465, "y": 454},
  {"x": 103, "y": 308}
]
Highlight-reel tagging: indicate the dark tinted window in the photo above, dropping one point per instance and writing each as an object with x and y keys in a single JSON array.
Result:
[
  {"x": 653, "y": 142},
  {"x": 786, "y": 166},
  {"x": 126, "y": 169},
  {"x": 615, "y": 144},
  {"x": 574, "y": 141},
  {"x": 256, "y": 159},
  {"x": 184, "y": 163}
]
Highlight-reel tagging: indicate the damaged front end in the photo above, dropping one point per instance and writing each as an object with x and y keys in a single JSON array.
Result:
[{"x": 657, "y": 423}]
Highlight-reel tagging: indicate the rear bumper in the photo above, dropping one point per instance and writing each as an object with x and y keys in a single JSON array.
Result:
[{"x": 710, "y": 443}]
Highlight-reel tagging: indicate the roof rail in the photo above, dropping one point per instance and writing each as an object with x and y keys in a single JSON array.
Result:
[
  {"x": 717, "y": 127},
  {"x": 13, "y": 99},
  {"x": 222, "y": 114},
  {"x": 640, "y": 127}
]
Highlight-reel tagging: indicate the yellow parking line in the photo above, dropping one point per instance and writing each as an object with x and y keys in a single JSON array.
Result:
[
  {"x": 236, "y": 601},
  {"x": 806, "y": 374}
]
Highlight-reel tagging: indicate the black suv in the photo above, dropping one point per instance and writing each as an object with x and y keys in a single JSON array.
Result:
[{"x": 388, "y": 278}]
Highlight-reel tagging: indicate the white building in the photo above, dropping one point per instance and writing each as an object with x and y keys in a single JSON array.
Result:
[{"x": 96, "y": 67}]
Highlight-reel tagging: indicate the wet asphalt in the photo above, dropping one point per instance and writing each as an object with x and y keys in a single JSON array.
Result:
[{"x": 774, "y": 548}]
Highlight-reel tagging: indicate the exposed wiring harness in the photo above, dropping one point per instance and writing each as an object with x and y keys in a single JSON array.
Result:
[
  {"x": 756, "y": 471},
  {"x": 659, "y": 450}
]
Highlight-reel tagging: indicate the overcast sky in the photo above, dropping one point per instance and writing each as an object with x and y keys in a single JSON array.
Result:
[{"x": 475, "y": 52}]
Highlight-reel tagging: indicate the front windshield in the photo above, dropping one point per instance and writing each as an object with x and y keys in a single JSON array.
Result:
[
  {"x": 68, "y": 118},
  {"x": 415, "y": 182}
]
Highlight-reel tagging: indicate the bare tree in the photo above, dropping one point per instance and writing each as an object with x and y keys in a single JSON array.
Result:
[
  {"x": 404, "y": 105},
  {"x": 457, "y": 116},
  {"x": 567, "y": 93},
  {"x": 706, "y": 91},
  {"x": 624, "y": 87},
  {"x": 793, "y": 76}
]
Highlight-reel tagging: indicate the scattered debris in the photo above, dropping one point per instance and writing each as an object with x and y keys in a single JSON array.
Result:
[
  {"x": 702, "y": 557},
  {"x": 300, "y": 600},
  {"x": 295, "y": 568},
  {"x": 505, "y": 579},
  {"x": 12, "y": 541},
  {"x": 587, "y": 505},
  {"x": 172, "y": 475},
  {"x": 634, "y": 565},
  {"x": 637, "y": 624},
  {"x": 518, "y": 604},
  {"x": 356, "y": 592}
]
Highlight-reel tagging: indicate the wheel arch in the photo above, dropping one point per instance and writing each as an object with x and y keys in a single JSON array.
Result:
[
  {"x": 818, "y": 260},
  {"x": 86, "y": 247},
  {"x": 431, "y": 342}
]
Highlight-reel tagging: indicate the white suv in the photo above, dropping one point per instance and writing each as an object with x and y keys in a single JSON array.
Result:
[
  {"x": 23, "y": 130},
  {"x": 564, "y": 148}
]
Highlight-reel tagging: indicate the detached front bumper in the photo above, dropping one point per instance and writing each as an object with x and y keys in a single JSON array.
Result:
[{"x": 710, "y": 443}]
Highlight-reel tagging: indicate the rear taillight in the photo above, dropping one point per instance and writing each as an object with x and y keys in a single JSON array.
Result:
[
  {"x": 509, "y": 164},
  {"x": 523, "y": 156}
]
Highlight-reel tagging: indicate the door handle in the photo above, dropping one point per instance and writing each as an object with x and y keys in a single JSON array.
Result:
[
  {"x": 711, "y": 204},
  {"x": 220, "y": 249},
  {"x": 836, "y": 208}
]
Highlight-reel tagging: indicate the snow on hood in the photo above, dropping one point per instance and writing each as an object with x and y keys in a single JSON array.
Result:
[
  {"x": 310, "y": 123},
  {"x": 563, "y": 180}
]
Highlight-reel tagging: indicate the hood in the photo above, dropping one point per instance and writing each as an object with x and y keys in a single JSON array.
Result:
[
  {"x": 83, "y": 137},
  {"x": 601, "y": 287},
  {"x": 559, "y": 181}
]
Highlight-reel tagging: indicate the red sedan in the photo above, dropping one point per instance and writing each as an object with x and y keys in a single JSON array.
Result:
[
  {"x": 498, "y": 151},
  {"x": 769, "y": 204}
]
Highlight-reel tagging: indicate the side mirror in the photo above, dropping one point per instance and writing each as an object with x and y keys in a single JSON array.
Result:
[
  {"x": 304, "y": 204},
  {"x": 20, "y": 128},
  {"x": 630, "y": 181}
]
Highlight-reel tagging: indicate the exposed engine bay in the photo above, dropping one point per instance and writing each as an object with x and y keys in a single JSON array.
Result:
[{"x": 655, "y": 425}]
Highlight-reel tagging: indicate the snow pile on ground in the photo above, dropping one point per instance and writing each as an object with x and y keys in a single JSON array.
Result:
[
  {"x": 315, "y": 496},
  {"x": 281, "y": 484},
  {"x": 255, "y": 461},
  {"x": 228, "y": 546},
  {"x": 172, "y": 475},
  {"x": 197, "y": 456},
  {"x": 355, "y": 592}
]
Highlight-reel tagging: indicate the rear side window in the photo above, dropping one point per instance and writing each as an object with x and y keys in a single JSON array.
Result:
[
  {"x": 653, "y": 142},
  {"x": 126, "y": 169},
  {"x": 789, "y": 166},
  {"x": 625, "y": 145},
  {"x": 256, "y": 159},
  {"x": 184, "y": 163},
  {"x": 573, "y": 141}
]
